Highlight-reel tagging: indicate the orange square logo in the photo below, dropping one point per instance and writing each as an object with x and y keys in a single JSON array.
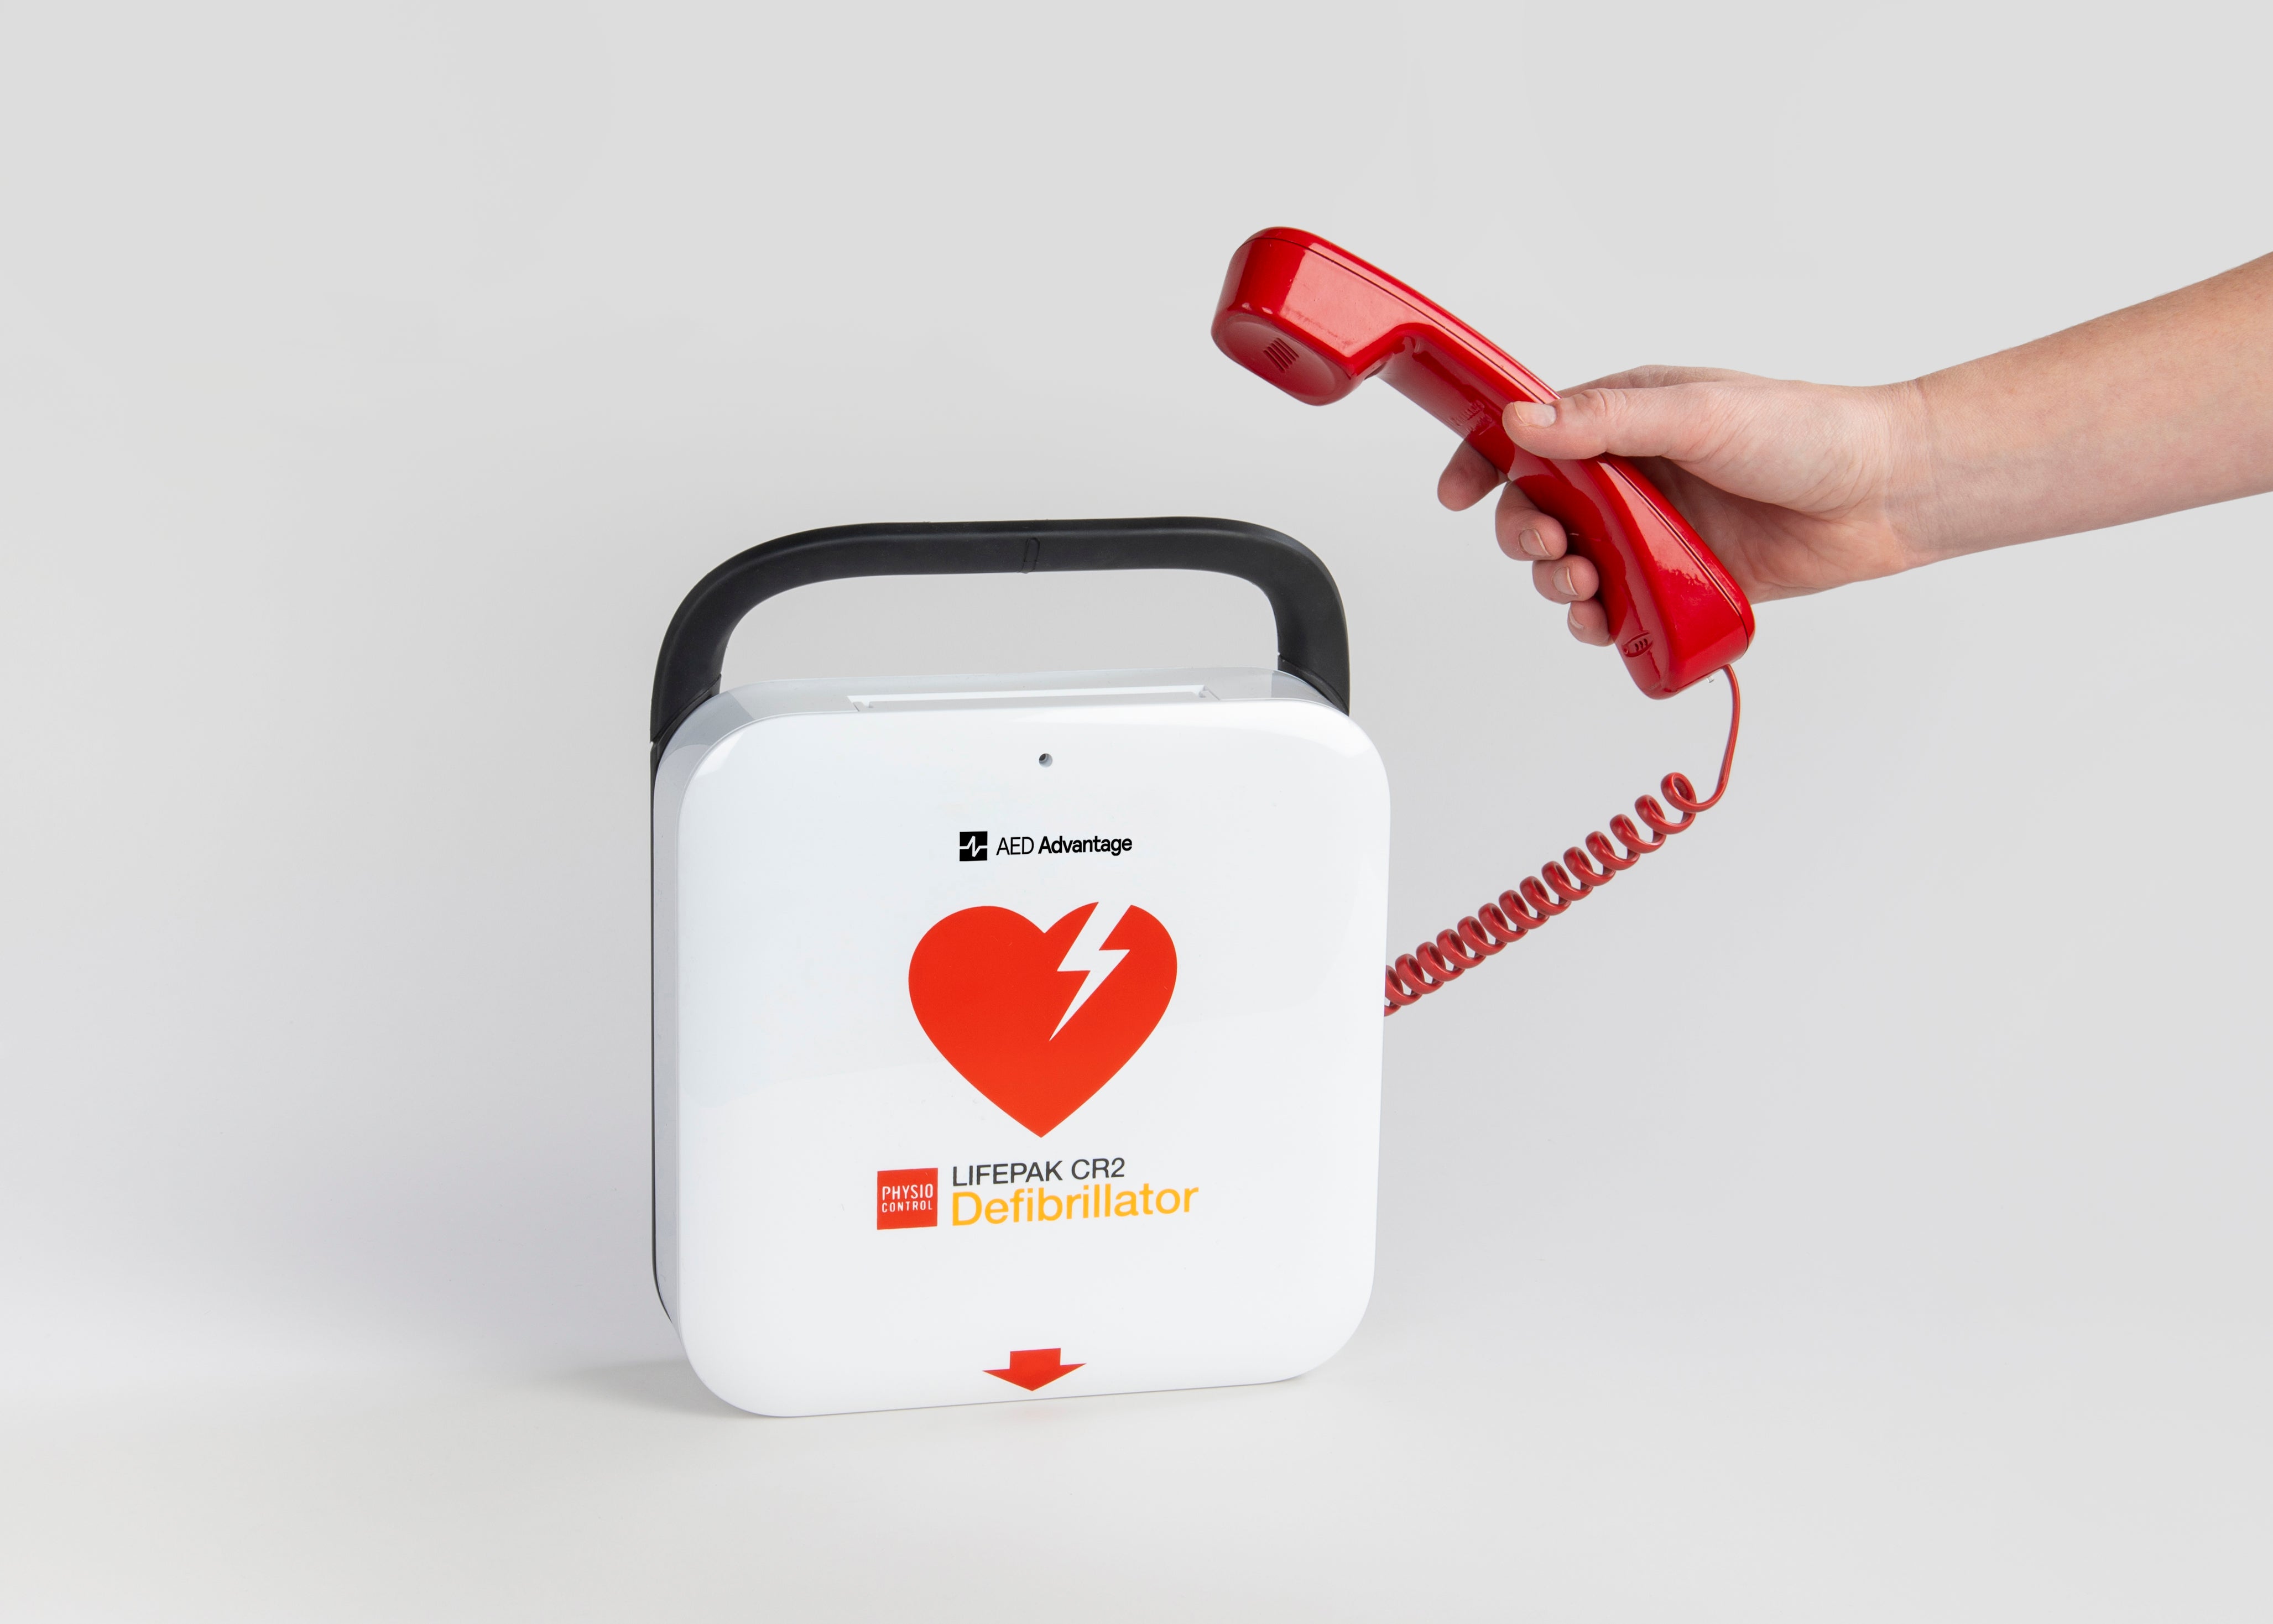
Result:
[{"x": 907, "y": 1198}]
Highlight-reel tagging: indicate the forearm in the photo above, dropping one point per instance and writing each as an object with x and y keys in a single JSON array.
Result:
[{"x": 2164, "y": 405}]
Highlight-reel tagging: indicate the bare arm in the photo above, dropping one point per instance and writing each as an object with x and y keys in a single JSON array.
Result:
[
  {"x": 2163, "y": 406},
  {"x": 1801, "y": 487}
]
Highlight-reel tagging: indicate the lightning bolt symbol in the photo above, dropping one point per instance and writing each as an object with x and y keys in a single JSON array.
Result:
[{"x": 1089, "y": 953}]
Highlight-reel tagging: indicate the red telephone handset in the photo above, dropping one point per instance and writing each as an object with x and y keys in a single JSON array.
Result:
[{"x": 1317, "y": 321}]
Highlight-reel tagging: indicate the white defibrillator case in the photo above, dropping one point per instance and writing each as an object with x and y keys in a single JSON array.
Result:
[{"x": 1015, "y": 1035}]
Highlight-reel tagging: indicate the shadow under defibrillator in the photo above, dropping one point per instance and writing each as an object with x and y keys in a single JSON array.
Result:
[{"x": 667, "y": 1385}]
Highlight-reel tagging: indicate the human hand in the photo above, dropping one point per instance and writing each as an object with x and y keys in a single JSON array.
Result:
[{"x": 1794, "y": 487}]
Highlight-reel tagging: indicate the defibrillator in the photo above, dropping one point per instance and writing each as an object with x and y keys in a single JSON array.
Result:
[{"x": 1015, "y": 1035}]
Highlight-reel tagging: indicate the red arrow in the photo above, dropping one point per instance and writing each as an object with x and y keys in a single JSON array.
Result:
[{"x": 1034, "y": 1368}]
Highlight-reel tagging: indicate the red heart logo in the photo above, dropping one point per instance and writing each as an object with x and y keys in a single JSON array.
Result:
[{"x": 1030, "y": 1023}]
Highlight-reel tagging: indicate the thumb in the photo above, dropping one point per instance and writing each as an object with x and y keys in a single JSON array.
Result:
[{"x": 1675, "y": 421}]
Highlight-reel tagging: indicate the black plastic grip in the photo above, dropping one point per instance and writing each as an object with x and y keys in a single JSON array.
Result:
[{"x": 1313, "y": 635}]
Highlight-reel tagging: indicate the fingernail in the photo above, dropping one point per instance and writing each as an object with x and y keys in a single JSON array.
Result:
[
  {"x": 1532, "y": 413},
  {"x": 1532, "y": 543},
  {"x": 1569, "y": 584}
]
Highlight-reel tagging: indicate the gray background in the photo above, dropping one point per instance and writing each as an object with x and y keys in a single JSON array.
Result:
[{"x": 1860, "y": 1213}]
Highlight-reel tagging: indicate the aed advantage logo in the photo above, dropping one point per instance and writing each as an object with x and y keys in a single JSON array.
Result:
[
  {"x": 971, "y": 845},
  {"x": 1038, "y": 1020}
]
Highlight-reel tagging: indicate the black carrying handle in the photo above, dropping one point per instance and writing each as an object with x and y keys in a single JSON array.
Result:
[{"x": 1313, "y": 636}]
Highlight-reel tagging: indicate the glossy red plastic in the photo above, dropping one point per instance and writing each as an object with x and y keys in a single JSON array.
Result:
[{"x": 1317, "y": 321}]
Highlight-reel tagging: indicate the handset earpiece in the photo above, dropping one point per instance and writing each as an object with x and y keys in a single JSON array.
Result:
[{"x": 1316, "y": 321}]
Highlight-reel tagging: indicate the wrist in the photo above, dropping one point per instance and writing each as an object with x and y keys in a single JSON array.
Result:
[{"x": 1915, "y": 501}]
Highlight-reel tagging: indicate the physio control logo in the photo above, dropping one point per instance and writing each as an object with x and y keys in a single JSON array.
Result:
[
  {"x": 907, "y": 1198},
  {"x": 971, "y": 846}
]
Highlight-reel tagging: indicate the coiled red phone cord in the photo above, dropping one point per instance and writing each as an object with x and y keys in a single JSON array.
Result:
[{"x": 1515, "y": 914}]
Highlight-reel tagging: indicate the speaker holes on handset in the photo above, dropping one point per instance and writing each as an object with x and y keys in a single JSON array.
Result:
[{"x": 1279, "y": 352}]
